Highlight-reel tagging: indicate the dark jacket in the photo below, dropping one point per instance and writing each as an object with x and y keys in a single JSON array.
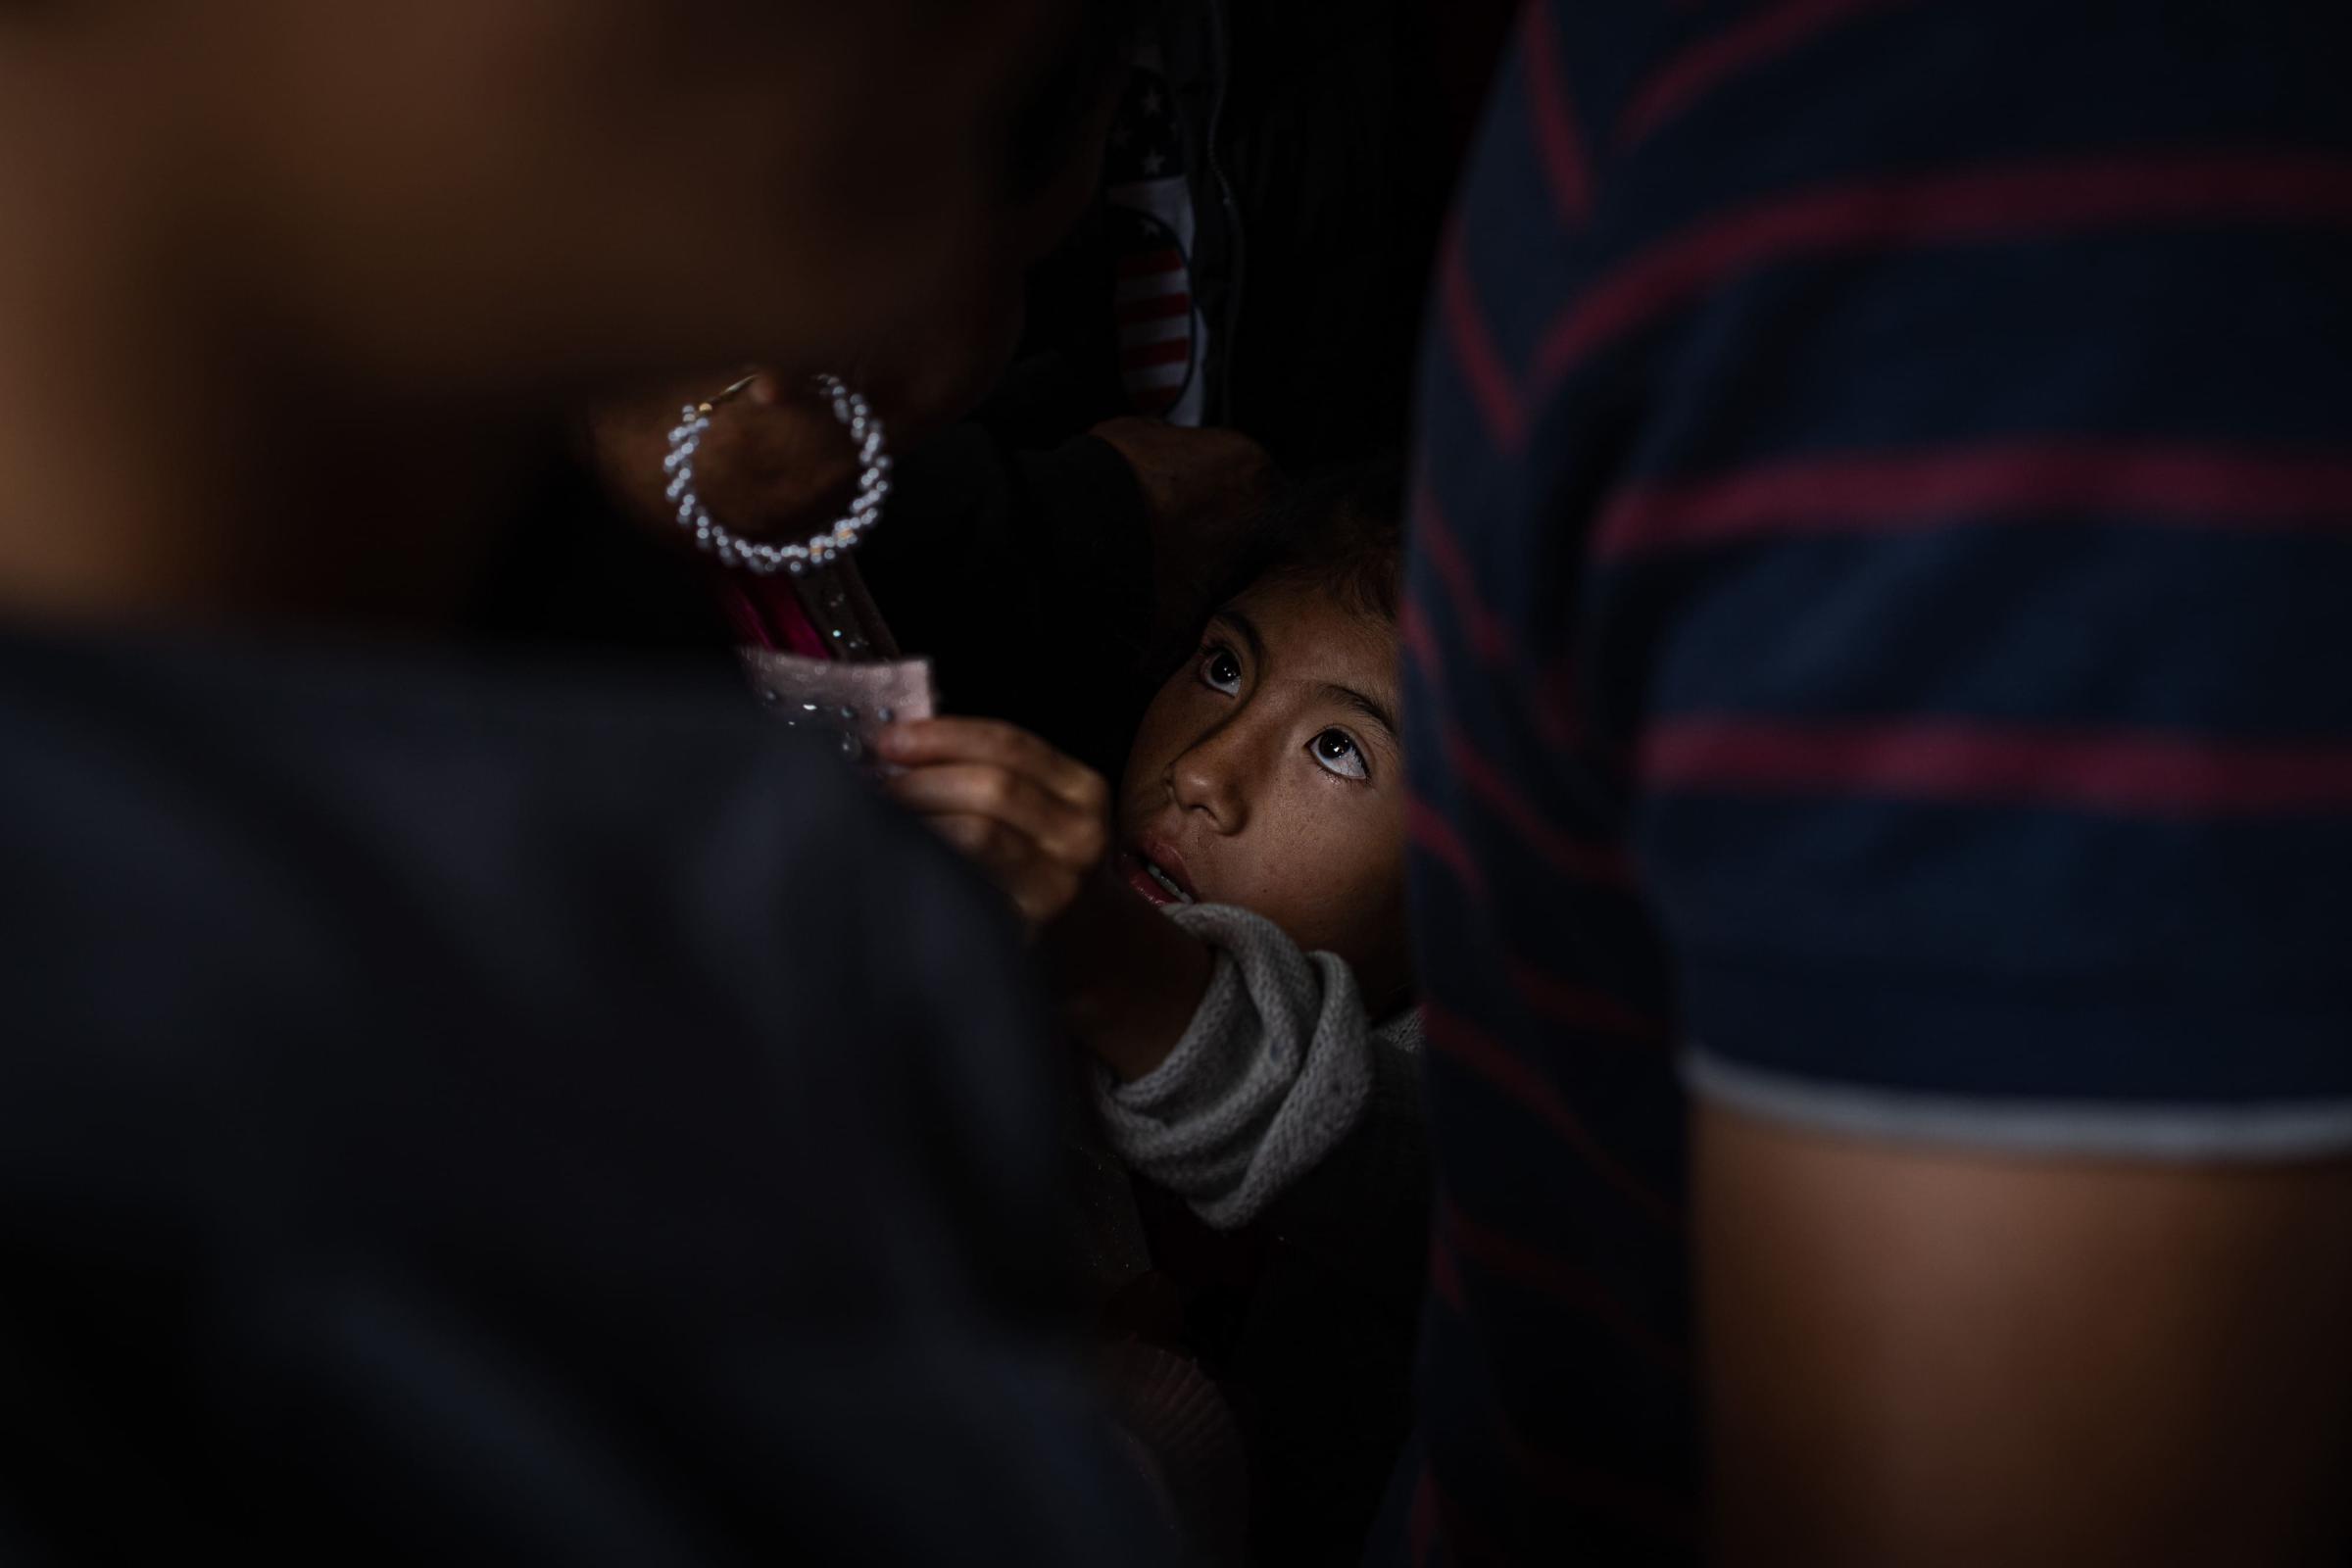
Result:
[{"x": 462, "y": 1111}]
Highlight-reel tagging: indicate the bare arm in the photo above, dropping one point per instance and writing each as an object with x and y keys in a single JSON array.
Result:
[{"x": 1920, "y": 1358}]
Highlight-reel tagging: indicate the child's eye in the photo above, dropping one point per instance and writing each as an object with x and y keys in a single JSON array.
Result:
[
  {"x": 1336, "y": 752},
  {"x": 1221, "y": 672}
]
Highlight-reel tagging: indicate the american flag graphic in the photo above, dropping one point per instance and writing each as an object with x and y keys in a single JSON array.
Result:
[
  {"x": 1162, "y": 338},
  {"x": 1158, "y": 344}
]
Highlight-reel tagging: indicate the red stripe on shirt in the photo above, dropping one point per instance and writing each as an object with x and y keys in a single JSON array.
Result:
[
  {"x": 1148, "y": 263},
  {"x": 1420, "y": 644},
  {"x": 1468, "y": 1047},
  {"x": 1488, "y": 638},
  {"x": 1706, "y": 65},
  {"x": 1474, "y": 349},
  {"x": 1585, "y": 1009},
  {"x": 2037, "y": 202},
  {"x": 1430, "y": 833},
  {"x": 1532, "y": 1268},
  {"x": 1421, "y": 1520},
  {"x": 2125, "y": 773},
  {"x": 1445, "y": 1276},
  {"x": 1581, "y": 860},
  {"x": 1438, "y": 1534},
  {"x": 2210, "y": 487},
  {"x": 1627, "y": 1499},
  {"x": 1557, "y": 141},
  {"x": 1557, "y": 711}
]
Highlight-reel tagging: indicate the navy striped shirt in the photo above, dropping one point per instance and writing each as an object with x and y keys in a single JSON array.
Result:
[{"x": 1878, "y": 653}]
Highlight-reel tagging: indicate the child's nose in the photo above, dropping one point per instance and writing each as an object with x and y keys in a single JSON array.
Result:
[{"x": 1209, "y": 779}]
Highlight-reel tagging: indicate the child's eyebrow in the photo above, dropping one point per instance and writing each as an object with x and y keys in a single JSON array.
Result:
[
  {"x": 1372, "y": 708},
  {"x": 1250, "y": 634}
]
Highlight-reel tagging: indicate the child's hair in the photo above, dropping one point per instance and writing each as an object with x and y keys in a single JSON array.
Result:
[{"x": 1342, "y": 530}]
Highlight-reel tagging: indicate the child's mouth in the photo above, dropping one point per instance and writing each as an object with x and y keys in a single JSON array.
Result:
[{"x": 1152, "y": 881}]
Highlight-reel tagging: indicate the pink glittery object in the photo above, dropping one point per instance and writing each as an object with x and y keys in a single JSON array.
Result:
[{"x": 855, "y": 700}]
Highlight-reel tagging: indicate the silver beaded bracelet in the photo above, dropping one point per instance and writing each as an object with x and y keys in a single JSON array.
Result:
[{"x": 714, "y": 538}]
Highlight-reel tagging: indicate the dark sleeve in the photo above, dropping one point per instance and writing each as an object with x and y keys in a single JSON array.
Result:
[
  {"x": 1983, "y": 588},
  {"x": 550, "y": 1130},
  {"x": 1955, "y": 501},
  {"x": 1878, "y": 645}
]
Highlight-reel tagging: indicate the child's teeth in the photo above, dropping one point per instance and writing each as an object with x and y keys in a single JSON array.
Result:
[{"x": 1166, "y": 881}]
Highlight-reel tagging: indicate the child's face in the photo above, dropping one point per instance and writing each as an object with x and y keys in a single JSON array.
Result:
[{"x": 1268, "y": 774}]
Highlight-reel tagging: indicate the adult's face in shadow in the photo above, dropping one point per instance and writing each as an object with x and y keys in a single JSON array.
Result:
[
  {"x": 776, "y": 465},
  {"x": 476, "y": 198}
]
